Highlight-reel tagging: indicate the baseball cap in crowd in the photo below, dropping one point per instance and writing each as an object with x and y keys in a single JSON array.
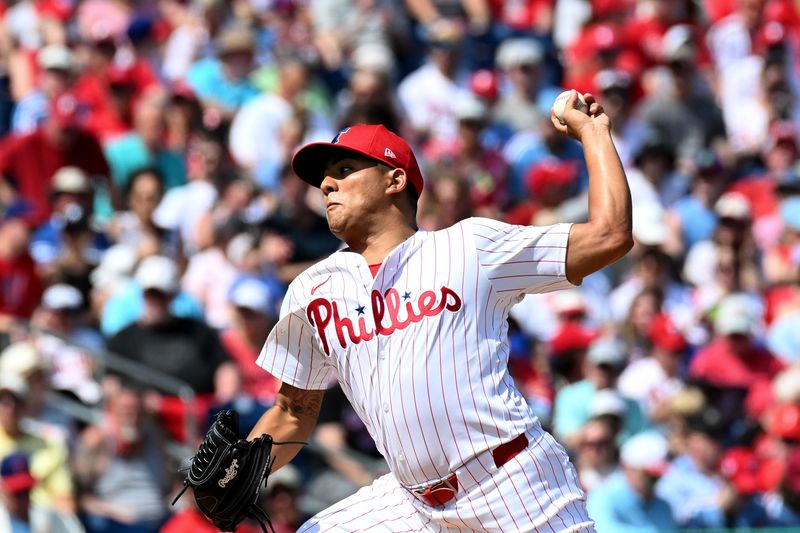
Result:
[
  {"x": 21, "y": 359},
  {"x": 116, "y": 267},
  {"x": 612, "y": 79},
  {"x": 649, "y": 224},
  {"x": 733, "y": 205},
  {"x": 485, "y": 84},
  {"x": 15, "y": 474},
  {"x": 62, "y": 297},
  {"x": 55, "y": 57},
  {"x": 570, "y": 337},
  {"x": 14, "y": 384},
  {"x": 607, "y": 402},
  {"x": 548, "y": 174},
  {"x": 741, "y": 466},
  {"x": 607, "y": 351},
  {"x": 517, "y": 52},
  {"x": 369, "y": 140},
  {"x": 734, "y": 318},
  {"x": 70, "y": 180},
  {"x": 284, "y": 477},
  {"x": 648, "y": 451},
  {"x": 470, "y": 108},
  {"x": 603, "y": 37},
  {"x": 252, "y": 293},
  {"x": 159, "y": 273},
  {"x": 373, "y": 57},
  {"x": 569, "y": 303},
  {"x": 664, "y": 335},
  {"x": 784, "y": 422}
]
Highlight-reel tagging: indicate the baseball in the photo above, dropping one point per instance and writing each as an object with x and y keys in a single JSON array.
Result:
[{"x": 559, "y": 106}]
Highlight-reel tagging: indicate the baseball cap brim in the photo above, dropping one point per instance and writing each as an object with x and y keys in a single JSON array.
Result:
[
  {"x": 20, "y": 482},
  {"x": 309, "y": 162}
]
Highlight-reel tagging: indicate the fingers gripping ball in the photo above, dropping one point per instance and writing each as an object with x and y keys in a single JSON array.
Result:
[{"x": 560, "y": 104}]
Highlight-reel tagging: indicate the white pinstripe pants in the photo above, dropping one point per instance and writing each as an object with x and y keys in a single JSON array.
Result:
[{"x": 537, "y": 490}]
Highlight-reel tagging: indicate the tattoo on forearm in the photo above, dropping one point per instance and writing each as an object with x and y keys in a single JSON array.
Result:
[{"x": 303, "y": 403}]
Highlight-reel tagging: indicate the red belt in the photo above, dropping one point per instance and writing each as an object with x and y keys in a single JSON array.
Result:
[{"x": 441, "y": 492}]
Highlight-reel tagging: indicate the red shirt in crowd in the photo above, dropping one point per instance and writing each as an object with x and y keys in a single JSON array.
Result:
[
  {"x": 29, "y": 162},
  {"x": 20, "y": 286},
  {"x": 255, "y": 381},
  {"x": 718, "y": 365}
]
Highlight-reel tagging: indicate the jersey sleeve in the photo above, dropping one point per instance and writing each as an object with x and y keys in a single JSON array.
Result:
[
  {"x": 292, "y": 352},
  {"x": 522, "y": 259}
]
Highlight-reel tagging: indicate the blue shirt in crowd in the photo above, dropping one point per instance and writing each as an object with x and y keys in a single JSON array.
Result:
[{"x": 617, "y": 508}]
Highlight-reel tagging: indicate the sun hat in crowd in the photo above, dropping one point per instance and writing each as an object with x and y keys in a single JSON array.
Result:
[
  {"x": 14, "y": 384},
  {"x": 21, "y": 359}
]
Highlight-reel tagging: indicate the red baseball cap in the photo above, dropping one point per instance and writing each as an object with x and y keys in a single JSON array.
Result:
[
  {"x": 784, "y": 422},
  {"x": 550, "y": 173},
  {"x": 571, "y": 336},
  {"x": 15, "y": 475},
  {"x": 742, "y": 467},
  {"x": 665, "y": 335},
  {"x": 368, "y": 140}
]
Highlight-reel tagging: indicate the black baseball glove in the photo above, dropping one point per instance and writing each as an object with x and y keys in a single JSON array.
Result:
[{"x": 226, "y": 473}]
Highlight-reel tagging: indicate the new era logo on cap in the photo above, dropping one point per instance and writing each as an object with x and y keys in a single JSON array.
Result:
[{"x": 373, "y": 141}]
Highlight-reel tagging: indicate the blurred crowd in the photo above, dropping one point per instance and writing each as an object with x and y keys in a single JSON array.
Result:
[{"x": 150, "y": 223}]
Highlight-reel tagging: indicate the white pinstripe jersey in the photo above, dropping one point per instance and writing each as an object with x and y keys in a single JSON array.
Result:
[{"x": 421, "y": 349}]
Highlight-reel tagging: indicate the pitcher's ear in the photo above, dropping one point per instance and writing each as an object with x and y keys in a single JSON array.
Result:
[{"x": 397, "y": 181}]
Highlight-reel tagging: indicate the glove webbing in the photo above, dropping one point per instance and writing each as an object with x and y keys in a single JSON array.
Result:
[{"x": 205, "y": 454}]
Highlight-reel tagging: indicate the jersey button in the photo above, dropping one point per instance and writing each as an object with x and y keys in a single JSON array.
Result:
[{"x": 386, "y": 407}]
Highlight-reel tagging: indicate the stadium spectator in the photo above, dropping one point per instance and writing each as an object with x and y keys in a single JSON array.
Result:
[
  {"x": 627, "y": 501},
  {"x": 119, "y": 467},
  {"x": 21, "y": 284},
  {"x": 17, "y": 512},
  {"x": 49, "y": 460},
  {"x": 29, "y": 162},
  {"x": 605, "y": 360},
  {"x": 255, "y": 305}
]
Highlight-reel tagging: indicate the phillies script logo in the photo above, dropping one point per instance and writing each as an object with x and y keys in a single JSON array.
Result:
[{"x": 385, "y": 308}]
